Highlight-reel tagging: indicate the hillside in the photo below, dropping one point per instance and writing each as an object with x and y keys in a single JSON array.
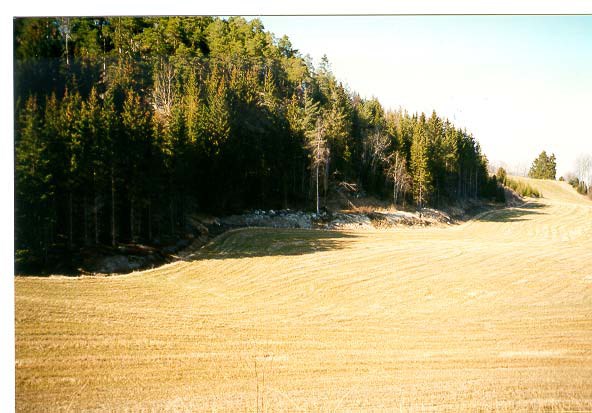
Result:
[
  {"x": 127, "y": 126},
  {"x": 493, "y": 314}
]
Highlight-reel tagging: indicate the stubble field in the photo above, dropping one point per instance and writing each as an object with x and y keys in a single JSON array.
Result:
[{"x": 494, "y": 314}]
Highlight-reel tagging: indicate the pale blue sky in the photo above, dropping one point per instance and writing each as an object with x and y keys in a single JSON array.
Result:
[{"x": 521, "y": 84}]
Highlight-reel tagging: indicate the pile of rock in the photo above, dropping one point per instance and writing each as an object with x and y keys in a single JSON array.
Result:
[
  {"x": 285, "y": 218},
  {"x": 346, "y": 221},
  {"x": 435, "y": 215}
]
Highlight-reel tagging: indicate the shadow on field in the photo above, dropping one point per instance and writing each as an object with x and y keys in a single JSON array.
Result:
[
  {"x": 515, "y": 214},
  {"x": 262, "y": 242}
]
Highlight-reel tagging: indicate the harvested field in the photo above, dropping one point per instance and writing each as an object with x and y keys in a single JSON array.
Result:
[{"x": 494, "y": 315}]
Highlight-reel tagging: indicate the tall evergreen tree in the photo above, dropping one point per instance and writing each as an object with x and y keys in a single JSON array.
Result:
[
  {"x": 420, "y": 165},
  {"x": 33, "y": 181}
]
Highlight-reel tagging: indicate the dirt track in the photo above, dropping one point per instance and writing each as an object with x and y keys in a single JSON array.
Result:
[{"x": 495, "y": 314}]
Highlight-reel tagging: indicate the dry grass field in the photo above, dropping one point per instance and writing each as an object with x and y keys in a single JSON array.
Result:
[{"x": 491, "y": 315}]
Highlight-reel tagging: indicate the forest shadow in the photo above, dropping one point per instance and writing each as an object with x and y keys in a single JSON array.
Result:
[
  {"x": 515, "y": 214},
  {"x": 265, "y": 242},
  {"x": 236, "y": 243}
]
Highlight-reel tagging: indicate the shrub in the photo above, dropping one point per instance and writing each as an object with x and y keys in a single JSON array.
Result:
[
  {"x": 501, "y": 176},
  {"x": 522, "y": 188},
  {"x": 581, "y": 188},
  {"x": 574, "y": 181}
]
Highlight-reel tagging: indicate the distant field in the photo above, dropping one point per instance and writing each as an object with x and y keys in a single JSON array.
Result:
[{"x": 495, "y": 314}]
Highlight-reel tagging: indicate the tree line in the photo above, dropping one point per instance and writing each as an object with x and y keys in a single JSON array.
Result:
[
  {"x": 581, "y": 180},
  {"x": 125, "y": 125}
]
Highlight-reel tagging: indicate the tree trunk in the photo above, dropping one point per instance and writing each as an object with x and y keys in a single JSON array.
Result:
[
  {"x": 470, "y": 184},
  {"x": 395, "y": 194},
  {"x": 67, "y": 54},
  {"x": 459, "y": 190},
  {"x": 183, "y": 204},
  {"x": 112, "y": 206},
  {"x": 464, "y": 184},
  {"x": 96, "y": 218},
  {"x": 437, "y": 194},
  {"x": 420, "y": 197},
  {"x": 104, "y": 74},
  {"x": 70, "y": 223},
  {"x": 150, "y": 220},
  {"x": 293, "y": 179},
  {"x": 326, "y": 181},
  {"x": 285, "y": 189},
  {"x": 171, "y": 216},
  {"x": 317, "y": 175},
  {"x": 45, "y": 241},
  {"x": 303, "y": 180},
  {"x": 132, "y": 219},
  {"x": 85, "y": 215},
  {"x": 172, "y": 193}
]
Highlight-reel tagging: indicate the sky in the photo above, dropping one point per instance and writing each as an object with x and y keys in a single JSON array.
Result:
[{"x": 520, "y": 84}]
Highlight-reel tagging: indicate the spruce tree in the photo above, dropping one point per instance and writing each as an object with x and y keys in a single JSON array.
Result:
[
  {"x": 32, "y": 181},
  {"x": 543, "y": 167},
  {"x": 420, "y": 166}
]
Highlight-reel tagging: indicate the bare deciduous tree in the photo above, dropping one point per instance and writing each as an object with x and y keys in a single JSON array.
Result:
[
  {"x": 163, "y": 93},
  {"x": 396, "y": 172},
  {"x": 320, "y": 152},
  {"x": 66, "y": 31},
  {"x": 584, "y": 170},
  {"x": 378, "y": 146}
]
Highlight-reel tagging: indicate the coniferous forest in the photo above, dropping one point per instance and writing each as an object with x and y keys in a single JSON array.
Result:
[{"x": 125, "y": 125}]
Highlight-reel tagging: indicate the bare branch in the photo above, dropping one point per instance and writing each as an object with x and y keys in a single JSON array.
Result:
[{"x": 163, "y": 94}]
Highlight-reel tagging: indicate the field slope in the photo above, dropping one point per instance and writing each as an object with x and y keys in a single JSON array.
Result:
[{"x": 495, "y": 314}]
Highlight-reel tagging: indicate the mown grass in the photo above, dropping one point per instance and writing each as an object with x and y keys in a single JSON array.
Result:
[
  {"x": 253, "y": 242},
  {"x": 492, "y": 315}
]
